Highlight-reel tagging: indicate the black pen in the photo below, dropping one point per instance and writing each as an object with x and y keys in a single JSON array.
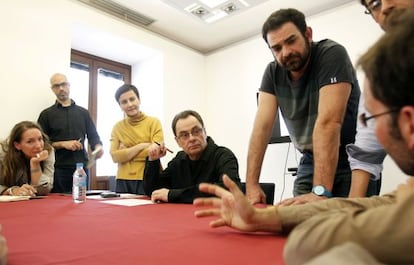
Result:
[
  {"x": 165, "y": 147},
  {"x": 40, "y": 185}
]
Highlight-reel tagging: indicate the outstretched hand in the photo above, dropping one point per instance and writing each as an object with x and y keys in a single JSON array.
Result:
[{"x": 231, "y": 207}]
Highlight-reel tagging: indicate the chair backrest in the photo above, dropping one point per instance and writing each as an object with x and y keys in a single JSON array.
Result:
[{"x": 268, "y": 189}]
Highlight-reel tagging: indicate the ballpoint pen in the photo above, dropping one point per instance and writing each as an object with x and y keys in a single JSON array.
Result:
[
  {"x": 165, "y": 147},
  {"x": 40, "y": 185}
]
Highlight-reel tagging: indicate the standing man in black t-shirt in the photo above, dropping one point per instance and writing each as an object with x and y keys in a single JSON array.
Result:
[
  {"x": 67, "y": 126},
  {"x": 315, "y": 86}
]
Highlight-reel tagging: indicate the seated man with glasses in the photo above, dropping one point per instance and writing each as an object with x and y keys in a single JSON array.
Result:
[{"x": 200, "y": 161}]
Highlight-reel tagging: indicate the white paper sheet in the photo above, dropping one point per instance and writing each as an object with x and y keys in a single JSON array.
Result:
[
  {"x": 128, "y": 202},
  {"x": 7, "y": 198},
  {"x": 122, "y": 196}
]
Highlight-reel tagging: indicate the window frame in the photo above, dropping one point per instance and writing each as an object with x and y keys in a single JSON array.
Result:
[{"x": 95, "y": 63}]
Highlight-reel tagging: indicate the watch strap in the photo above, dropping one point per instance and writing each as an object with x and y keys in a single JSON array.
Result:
[{"x": 325, "y": 192}]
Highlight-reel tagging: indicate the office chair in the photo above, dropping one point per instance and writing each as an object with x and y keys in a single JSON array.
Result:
[{"x": 268, "y": 189}]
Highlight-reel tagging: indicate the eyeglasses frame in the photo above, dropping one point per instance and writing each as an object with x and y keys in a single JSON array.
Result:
[{"x": 364, "y": 119}]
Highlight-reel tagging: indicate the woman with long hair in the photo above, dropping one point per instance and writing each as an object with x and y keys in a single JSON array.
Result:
[{"x": 26, "y": 161}]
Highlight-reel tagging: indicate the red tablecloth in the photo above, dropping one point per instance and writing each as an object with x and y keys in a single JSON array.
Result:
[{"x": 54, "y": 230}]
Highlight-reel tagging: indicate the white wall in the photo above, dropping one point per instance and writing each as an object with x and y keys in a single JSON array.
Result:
[
  {"x": 234, "y": 75},
  {"x": 36, "y": 42}
]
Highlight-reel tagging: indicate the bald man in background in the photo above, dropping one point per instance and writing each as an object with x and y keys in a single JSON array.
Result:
[{"x": 68, "y": 125}]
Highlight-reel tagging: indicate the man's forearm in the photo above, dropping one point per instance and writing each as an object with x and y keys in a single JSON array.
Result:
[
  {"x": 268, "y": 220},
  {"x": 359, "y": 184},
  {"x": 58, "y": 145},
  {"x": 262, "y": 129},
  {"x": 151, "y": 176},
  {"x": 255, "y": 155},
  {"x": 325, "y": 151},
  {"x": 365, "y": 226},
  {"x": 294, "y": 215}
]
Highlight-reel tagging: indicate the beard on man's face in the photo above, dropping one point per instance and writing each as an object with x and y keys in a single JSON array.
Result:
[
  {"x": 296, "y": 61},
  {"x": 63, "y": 96}
]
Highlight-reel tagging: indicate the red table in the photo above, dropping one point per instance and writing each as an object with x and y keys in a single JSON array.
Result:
[{"x": 54, "y": 230}]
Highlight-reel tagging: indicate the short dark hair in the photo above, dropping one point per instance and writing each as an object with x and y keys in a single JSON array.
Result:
[
  {"x": 125, "y": 88},
  {"x": 389, "y": 63},
  {"x": 282, "y": 16},
  {"x": 184, "y": 114}
]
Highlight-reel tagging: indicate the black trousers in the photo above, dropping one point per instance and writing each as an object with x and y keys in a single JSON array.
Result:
[{"x": 63, "y": 179}]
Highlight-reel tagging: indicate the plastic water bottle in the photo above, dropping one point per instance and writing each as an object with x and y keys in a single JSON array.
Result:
[{"x": 79, "y": 184}]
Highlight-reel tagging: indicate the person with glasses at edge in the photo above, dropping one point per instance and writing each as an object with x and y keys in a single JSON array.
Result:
[
  {"x": 67, "y": 126},
  {"x": 366, "y": 155},
  {"x": 380, "y": 10},
  {"x": 201, "y": 160}
]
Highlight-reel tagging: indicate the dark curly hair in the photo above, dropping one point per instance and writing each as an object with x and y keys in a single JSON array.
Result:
[{"x": 282, "y": 16}]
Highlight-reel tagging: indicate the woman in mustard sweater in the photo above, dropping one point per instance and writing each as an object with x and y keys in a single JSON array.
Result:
[{"x": 130, "y": 140}]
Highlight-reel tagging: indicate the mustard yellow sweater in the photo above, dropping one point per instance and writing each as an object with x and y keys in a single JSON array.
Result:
[{"x": 127, "y": 133}]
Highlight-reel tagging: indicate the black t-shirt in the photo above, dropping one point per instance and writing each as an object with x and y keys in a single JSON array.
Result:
[{"x": 298, "y": 101}]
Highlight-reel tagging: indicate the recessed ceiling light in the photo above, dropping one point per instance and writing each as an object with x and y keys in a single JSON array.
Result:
[
  {"x": 210, "y": 11},
  {"x": 200, "y": 11},
  {"x": 230, "y": 8}
]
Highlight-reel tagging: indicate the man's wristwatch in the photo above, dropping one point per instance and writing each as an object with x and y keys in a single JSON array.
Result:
[{"x": 321, "y": 191}]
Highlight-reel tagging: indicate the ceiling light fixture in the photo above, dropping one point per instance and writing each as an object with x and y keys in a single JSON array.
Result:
[
  {"x": 210, "y": 11},
  {"x": 200, "y": 11},
  {"x": 230, "y": 8}
]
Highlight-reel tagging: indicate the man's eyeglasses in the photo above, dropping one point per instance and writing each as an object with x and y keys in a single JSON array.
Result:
[
  {"x": 184, "y": 136},
  {"x": 63, "y": 84},
  {"x": 373, "y": 6},
  {"x": 364, "y": 119}
]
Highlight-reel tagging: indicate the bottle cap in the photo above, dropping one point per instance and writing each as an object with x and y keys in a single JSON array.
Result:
[{"x": 78, "y": 165}]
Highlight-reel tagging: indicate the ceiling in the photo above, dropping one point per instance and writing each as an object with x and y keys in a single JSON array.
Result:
[{"x": 191, "y": 31}]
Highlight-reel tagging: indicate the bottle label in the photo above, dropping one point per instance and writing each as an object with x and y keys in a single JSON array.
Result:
[{"x": 82, "y": 182}]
